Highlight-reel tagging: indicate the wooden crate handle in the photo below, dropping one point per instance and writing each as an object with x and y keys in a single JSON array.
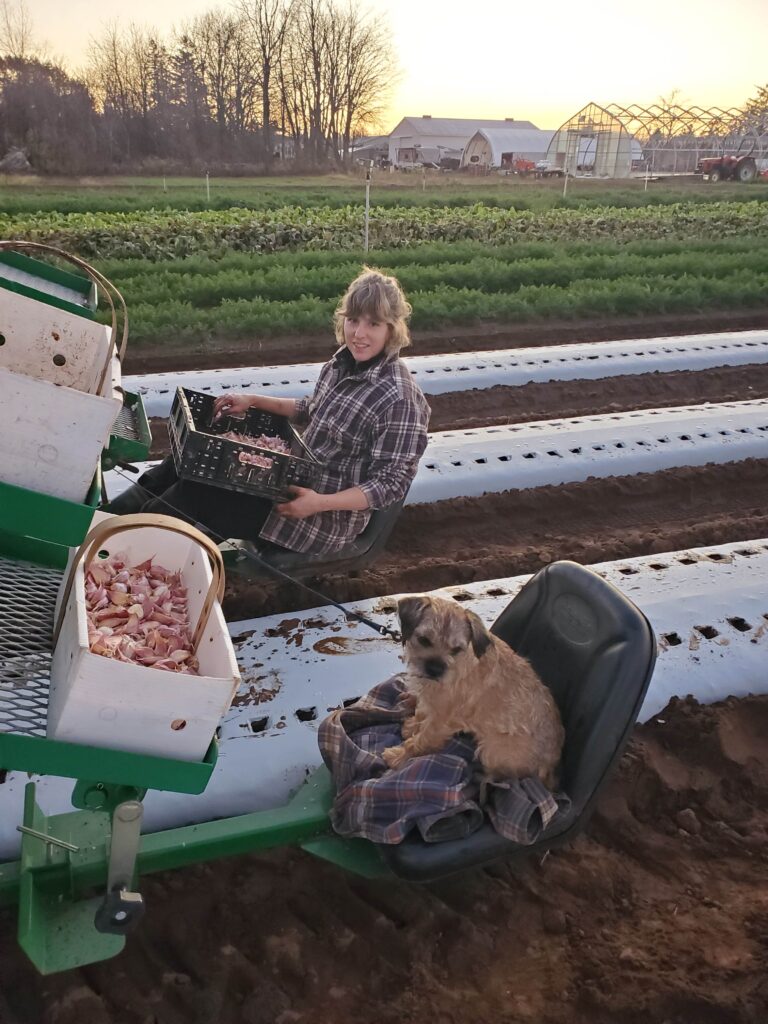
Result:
[
  {"x": 96, "y": 278},
  {"x": 98, "y": 535}
]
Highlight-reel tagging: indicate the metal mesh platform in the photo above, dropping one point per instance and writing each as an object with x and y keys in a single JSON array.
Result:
[
  {"x": 27, "y": 601},
  {"x": 125, "y": 425}
]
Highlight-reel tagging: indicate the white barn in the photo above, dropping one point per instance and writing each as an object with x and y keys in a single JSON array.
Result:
[
  {"x": 430, "y": 139},
  {"x": 500, "y": 147}
]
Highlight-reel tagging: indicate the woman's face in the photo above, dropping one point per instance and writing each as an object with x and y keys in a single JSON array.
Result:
[{"x": 365, "y": 338}]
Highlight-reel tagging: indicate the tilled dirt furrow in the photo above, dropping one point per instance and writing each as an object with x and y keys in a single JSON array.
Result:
[
  {"x": 216, "y": 354},
  {"x": 465, "y": 410},
  {"x": 639, "y": 920},
  {"x": 498, "y": 535}
]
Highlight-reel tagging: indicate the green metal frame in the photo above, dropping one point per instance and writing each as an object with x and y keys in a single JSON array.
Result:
[
  {"x": 65, "y": 857},
  {"x": 76, "y": 761},
  {"x": 54, "y": 885},
  {"x": 303, "y": 821}
]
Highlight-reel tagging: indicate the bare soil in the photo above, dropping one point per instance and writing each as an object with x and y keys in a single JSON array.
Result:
[
  {"x": 466, "y": 539},
  {"x": 464, "y": 410},
  {"x": 658, "y": 915},
  {"x": 217, "y": 353}
]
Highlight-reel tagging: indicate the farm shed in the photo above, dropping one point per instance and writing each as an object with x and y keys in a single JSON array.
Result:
[
  {"x": 593, "y": 141},
  {"x": 371, "y": 147},
  {"x": 431, "y": 139},
  {"x": 500, "y": 147}
]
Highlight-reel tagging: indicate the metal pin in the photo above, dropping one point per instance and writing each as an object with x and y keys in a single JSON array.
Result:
[{"x": 51, "y": 840}]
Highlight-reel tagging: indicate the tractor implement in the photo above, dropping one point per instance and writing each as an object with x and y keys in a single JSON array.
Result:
[{"x": 85, "y": 814}]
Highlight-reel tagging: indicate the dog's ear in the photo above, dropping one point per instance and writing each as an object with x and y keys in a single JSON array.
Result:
[
  {"x": 478, "y": 634},
  {"x": 410, "y": 611}
]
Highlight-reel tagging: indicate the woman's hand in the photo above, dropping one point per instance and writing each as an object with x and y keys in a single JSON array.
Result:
[
  {"x": 232, "y": 405},
  {"x": 305, "y": 502}
]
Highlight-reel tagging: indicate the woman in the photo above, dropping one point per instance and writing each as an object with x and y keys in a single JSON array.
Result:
[{"x": 366, "y": 423}]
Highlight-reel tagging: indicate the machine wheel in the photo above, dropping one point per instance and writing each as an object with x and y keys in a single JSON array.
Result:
[
  {"x": 715, "y": 175},
  {"x": 747, "y": 171}
]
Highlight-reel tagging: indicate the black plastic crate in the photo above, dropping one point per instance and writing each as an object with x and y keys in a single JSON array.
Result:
[{"x": 201, "y": 454}]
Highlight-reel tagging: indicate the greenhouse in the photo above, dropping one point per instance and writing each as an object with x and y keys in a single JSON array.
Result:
[{"x": 616, "y": 141}]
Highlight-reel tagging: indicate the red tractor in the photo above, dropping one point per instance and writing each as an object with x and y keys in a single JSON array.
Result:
[
  {"x": 521, "y": 167},
  {"x": 728, "y": 168}
]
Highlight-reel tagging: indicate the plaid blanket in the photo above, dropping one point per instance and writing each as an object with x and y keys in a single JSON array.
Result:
[{"x": 442, "y": 795}]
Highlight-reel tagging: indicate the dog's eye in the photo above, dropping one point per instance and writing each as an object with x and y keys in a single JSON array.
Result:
[
  {"x": 423, "y": 641},
  {"x": 456, "y": 650}
]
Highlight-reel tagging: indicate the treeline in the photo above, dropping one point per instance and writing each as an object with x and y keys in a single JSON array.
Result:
[{"x": 255, "y": 86}]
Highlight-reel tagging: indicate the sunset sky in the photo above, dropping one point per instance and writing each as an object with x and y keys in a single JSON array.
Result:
[{"x": 501, "y": 58}]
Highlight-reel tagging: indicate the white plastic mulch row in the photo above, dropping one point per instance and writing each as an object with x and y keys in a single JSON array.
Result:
[
  {"x": 512, "y": 367},
  {"x": 708, "y": 609},
  {"x": 492, "y": 459}
]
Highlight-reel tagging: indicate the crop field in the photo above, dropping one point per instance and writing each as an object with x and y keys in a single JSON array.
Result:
[
  {"x": 272, "y": 258},
  {"x": 23, "y": 195},
  {"x": 657, "y": 914}
]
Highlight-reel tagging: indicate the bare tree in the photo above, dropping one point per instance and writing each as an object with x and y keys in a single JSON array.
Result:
[
  {"x": 337, "y": 71},
  {"x": 321, "y": 69},
  {"x": 370, "y": 71},
  {"x": 16, "y": 32},
  {"x": 269, "y": 21}
]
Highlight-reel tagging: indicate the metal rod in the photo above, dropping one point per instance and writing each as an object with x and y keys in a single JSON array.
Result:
[{"x": 51, "y": 840}]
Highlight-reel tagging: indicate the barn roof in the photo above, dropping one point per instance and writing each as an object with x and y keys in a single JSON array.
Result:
[
  {"x": 453, "y": 125},
  {"x": 515, "y": 140}
]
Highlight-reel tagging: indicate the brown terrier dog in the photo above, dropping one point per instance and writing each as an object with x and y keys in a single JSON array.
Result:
[{"x": 464, "y": 679}]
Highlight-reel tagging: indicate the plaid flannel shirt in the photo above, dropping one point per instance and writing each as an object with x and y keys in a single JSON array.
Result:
[
  {"x": 368, "y": 429},
  {"x": 441, "y": 795}
]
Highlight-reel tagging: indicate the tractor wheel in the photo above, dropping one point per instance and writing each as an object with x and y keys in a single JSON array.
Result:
[
  {"x": 747, "y": 171},
  {"x": 715, "y": 175}
]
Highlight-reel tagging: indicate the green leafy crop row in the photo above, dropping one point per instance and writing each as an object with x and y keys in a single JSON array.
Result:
[{"x": 165, "y": 235}]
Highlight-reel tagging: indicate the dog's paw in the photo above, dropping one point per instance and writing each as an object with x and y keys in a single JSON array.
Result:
[
  {"x": 408, "y": 727},
  {"x": 395, "y": 756}
]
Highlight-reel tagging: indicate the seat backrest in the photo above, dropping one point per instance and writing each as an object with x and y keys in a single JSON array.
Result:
[
  {"x": 595, "y": 650},
  {"x": 358, "y": 554}
]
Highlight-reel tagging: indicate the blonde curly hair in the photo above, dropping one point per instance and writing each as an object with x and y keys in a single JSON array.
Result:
[{"x": 381, "y": 298}]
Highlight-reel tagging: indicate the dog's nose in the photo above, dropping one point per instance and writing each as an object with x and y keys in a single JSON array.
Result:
[{"x": 434, "y": 668}]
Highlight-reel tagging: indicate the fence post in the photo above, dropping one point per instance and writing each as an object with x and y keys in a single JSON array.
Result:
[{"x": 367, "y": 207}]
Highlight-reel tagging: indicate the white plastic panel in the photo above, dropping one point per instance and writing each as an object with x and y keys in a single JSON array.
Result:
[
  {"x": 708, "y": 608},
  {"x": 469, "y": 463},
  {"x": 444, "y": 373}
]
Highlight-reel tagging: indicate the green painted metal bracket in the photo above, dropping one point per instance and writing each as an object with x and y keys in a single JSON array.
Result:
[
  {"x": 118, "y": 767},
  {"x": 65, "y": 858},
  {"x": 303, "y": 818},
  {"x": 56, "y": 929},
  {"x": 40, "y": 528},
  {"x": 357, "y": 856}
]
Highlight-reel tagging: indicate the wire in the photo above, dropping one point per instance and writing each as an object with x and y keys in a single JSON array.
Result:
[{"x": 379, "y": 628}]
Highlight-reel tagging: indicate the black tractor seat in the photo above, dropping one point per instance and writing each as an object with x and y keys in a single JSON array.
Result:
[
  {"x": 366, "y": 547},
  {"x": 596, "y": 651}
]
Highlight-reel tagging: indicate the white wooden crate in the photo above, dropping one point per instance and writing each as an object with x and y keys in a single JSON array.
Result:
[
  {"x": 55, "y": 416},
  {"x": 52, "y": 344},
  {"x": 52, "y": 437},
  {"x": 100, "y": 702}
]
